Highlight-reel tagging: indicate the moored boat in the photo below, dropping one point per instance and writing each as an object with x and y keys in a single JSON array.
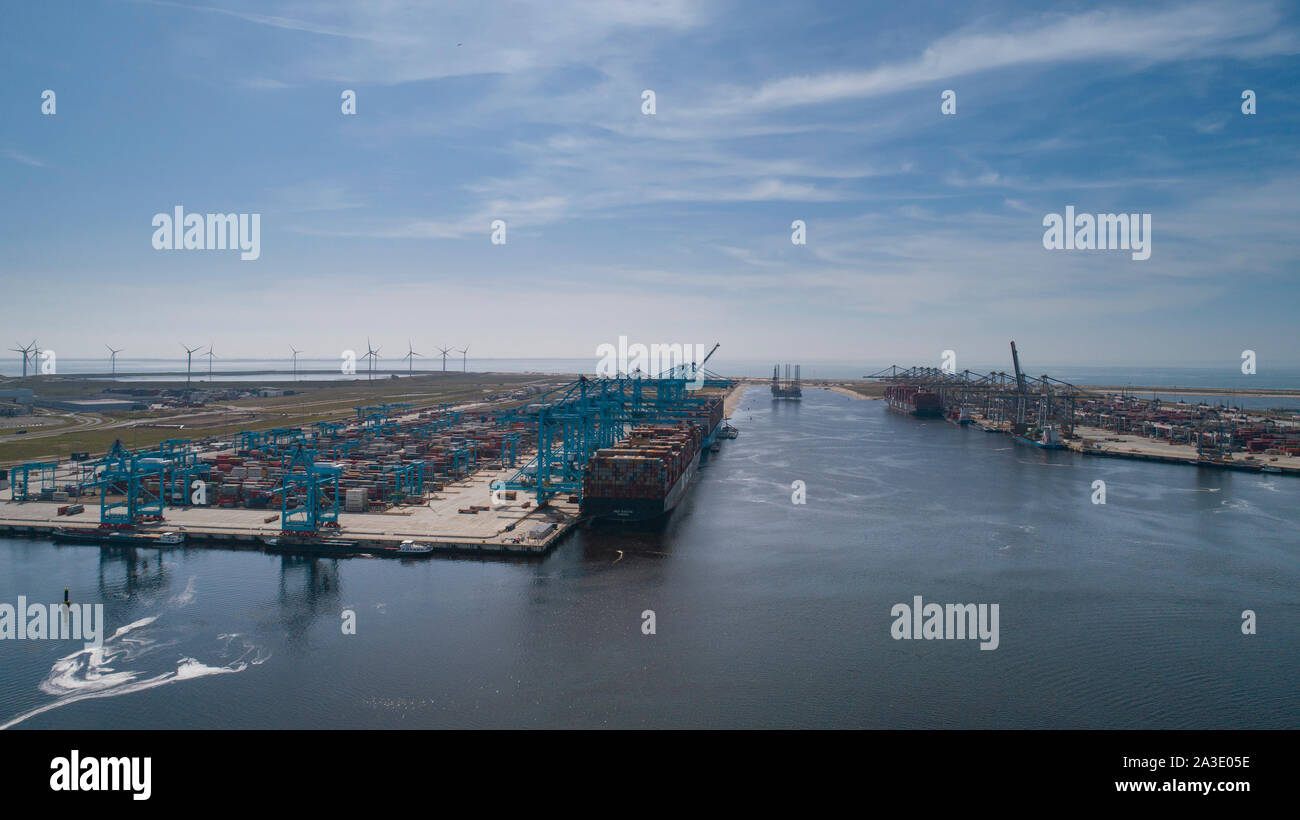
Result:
[
  {"x": 110, "y": 536},
  {"x": 1048, "y": 438},
  {"x": 645, "y": 476},
  {"x": 308, "y": 545},
  {"x": 913, "y": 401}
]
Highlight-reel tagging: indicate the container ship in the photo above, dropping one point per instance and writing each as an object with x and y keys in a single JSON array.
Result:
[
  {"x": 910, "y": 399},
  {"x": 646, "y": 475}
]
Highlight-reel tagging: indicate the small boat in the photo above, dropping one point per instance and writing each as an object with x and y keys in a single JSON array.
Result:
[
  {"x": 1047, "y": 439},
  {"x": 409, "y": 547},
  {"x": 1270, "y": 469},
  {"x": 172, "y": 538},
  {"x": 308, "y": 545}
]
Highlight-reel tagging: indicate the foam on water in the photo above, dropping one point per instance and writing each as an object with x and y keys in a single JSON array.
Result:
[{"x": 132, "y": 659}]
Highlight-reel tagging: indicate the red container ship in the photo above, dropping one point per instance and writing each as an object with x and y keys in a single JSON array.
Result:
[
  {"x": 912, "y": 400},
  {"x": 645, "y": 476}
]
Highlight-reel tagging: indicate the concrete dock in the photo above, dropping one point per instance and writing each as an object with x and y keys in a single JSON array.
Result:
[
  {"x": 1094, "y": 441},
  {"x": 502, "y": 529}
]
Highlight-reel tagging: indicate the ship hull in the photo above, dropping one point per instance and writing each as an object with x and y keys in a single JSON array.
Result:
[
  {"x": 1040, "y": 445},
  {"x": 112, "y": 537},
  {"x": 908, "y": 409},
  {"x": 641, "y": 509},
  {"x": 291, "y": 545}
]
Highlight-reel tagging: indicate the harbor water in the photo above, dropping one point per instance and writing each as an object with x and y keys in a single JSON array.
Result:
[{"x": 766, "y": 612}]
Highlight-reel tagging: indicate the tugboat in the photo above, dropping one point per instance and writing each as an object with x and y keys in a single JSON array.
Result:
[{"x": 1047, "y": 438}]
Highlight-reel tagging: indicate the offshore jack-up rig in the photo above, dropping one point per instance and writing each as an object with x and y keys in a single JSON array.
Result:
[{"x": 787, "y": 388}]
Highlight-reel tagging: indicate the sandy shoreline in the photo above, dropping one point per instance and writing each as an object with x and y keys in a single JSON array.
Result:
[
  {"x": 844, "y": 391},
  {"x": 733, "y": 399},
  {"x": 808, "y": 385}
]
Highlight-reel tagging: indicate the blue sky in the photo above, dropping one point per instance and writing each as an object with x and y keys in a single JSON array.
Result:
[{"x": 924, "y": 230}]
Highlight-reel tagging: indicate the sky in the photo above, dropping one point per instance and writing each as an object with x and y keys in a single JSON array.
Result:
[{"x": 924, "y": 229}]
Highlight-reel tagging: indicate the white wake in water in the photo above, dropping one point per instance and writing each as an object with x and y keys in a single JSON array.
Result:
[{"x": 122, "y": 665}]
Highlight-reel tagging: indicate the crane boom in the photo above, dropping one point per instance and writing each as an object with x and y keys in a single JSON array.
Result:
[
  {"x": 711, "y": 352},
  {"x": 1020, "y": 385}
]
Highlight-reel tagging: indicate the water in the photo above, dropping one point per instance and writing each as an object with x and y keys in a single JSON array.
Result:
[
  {"x": 1227, "y": 375},
  {"x": 768, "y": 614}
]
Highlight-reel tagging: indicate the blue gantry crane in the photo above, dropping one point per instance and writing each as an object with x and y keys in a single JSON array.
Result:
[
  {"x": 309, "y": 494},
  {"x": 576, "y": 420},
  {"x": 22, "y": 479}
]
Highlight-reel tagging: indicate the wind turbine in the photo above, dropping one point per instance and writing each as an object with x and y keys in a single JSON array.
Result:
[
  {"x": 444, "y": 350},
  {"x": 209, "y": 355},
  {"x": 189, "y": 353},
  {"x": 113, "y": 356},
  {"x": 372, "y": 353},
  {"x": 464, "y": 352},
  {"x": 296, "y": 351},
  {"x": 24, "y": 350},
  {"x": 410, "y": 357}
]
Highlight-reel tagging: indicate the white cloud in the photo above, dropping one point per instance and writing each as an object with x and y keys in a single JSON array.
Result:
[
  {"x": 402, "y": 41},
  {"x": 1179, "y": 32},
  {"x": 18, "y": 156}
]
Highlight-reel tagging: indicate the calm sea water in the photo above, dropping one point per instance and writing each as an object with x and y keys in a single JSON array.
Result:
[
  {"x": 768, "y": 614},
  {"x": 1226, "y": 375}
]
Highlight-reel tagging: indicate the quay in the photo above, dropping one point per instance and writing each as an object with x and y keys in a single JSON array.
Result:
[
  {"x": 499, "y": 478},
  {"x": 1053, "y": 414},
  {"x": 502, "y": 530}
]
